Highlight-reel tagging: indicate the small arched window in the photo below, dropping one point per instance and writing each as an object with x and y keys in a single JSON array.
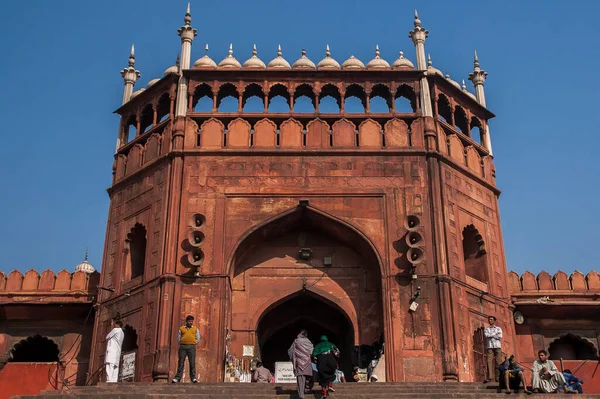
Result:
[
  {"x": 572, "y": 347},
  {"x": 35, "y": 349},
  {"x": 129, "y": 339},
  {"x": 135, "y": 250},
  {"x": 444, "y": 109},
  {"x": 474, "y": 254}
]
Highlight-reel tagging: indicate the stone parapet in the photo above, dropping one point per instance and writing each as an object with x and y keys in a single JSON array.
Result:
[
  {"x": 559, "y": 282},
  {"x": 48, "y": 286}
]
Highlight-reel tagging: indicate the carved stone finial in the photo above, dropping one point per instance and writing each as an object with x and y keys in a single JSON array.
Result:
[
  {"x": 230, "y": 53},
  {"x": 464, "y": 86},
  {"x": 132, "y": 56},
  {"x": 206, "y": 48},
  {"x": 429, "y": 63},
  {"x": 303, "y": 53},
  {"x": 377, "y": 51},
  {"x": 254, "y": 52},
  {"x": 327, "y": 52},
  {"x": 476, "y": 60},
  {"x": 188, "y": 16},
  {"x": 417, "y": 20},
  {"x": 279, "y": 50}
]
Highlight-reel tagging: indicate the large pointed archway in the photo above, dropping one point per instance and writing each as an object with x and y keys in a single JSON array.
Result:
[
  {"x": 305, "y": 268},
  {"x": 281, "y": 323}
]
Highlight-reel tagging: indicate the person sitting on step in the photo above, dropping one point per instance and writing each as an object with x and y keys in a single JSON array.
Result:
[{"x": 511, "y": 375}]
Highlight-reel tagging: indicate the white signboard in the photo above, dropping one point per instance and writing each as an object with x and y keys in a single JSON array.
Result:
[
  {"x": 284, "y": 372},
  {"x": 128, "y": 365},
  {"x": 248, "y": 350}
]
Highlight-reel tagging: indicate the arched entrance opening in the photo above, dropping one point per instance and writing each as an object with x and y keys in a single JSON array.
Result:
[
  {"x": 35, "y": 349},
  {"x": 307, "y": 269},
  {"x": 280, "y": 325}
]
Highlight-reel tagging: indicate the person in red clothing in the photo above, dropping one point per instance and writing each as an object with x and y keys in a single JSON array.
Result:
[{"x": 188, "y": 337}]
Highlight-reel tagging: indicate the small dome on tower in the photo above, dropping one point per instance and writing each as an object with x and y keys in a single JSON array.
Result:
[
  {"x": 378, "y": 62},
  {"x": 402, "y": 63},
  {"x": 254, "y": 61},
  {"x": 328, "y": 62},
  {"x": 85, "y": 266},
  {"x": 205, "y": 62},
  {"x": 137, "y": 92},
  {"x": 150, "y": 83},
  {"x": 230, "y": 61},
  {"x": 279, "y": 62},
  {"x": 453, "y": 82},
  {"x": 468, "y": 93},
  {"x": 173, "y": 69},
  {"x": 353, "y": 63},
  {"x": 431, "y": 70},
  {"x": 303, "y": 62}
]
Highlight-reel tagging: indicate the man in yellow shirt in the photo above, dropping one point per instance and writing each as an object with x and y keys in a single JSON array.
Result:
[{"x": 188, "y": 337}]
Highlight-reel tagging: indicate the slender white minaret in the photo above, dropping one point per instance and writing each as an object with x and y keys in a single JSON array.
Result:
[
  {"x": 478, "y": 78},
  {"x": 187, "y": 34},
  {"x": 130, "y": 75},
  {"x": 418, "y": 36}
]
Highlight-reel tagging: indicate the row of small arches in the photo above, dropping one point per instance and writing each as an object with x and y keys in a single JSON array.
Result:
[
  {"x": 304, "y": 99},
  {"x": 292, "y": 134},
  {"x": 456, "y": 116}
]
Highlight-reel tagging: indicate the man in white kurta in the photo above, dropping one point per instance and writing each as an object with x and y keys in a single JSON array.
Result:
[
  {"x": 114, "y": 342},
  {"x": 546, "y": 377}
]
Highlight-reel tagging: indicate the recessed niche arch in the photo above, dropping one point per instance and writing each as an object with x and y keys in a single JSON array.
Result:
[{"x": 35, "y": 349}]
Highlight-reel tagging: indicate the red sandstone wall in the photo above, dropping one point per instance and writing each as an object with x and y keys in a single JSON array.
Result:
[
  {"x": 372, "y": 193},
  {"x": 471, "y": 202},
  {"x": 27, "y": 379},
  {"x": 141, "y": 199}
]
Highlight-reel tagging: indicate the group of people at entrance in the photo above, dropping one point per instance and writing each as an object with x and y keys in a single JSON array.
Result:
[
  {"x": 325, "y": 356},
  {"x": 546, "y": 378}
]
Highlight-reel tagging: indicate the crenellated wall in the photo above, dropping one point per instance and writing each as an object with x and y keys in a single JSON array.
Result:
[
  {"x": 75, "y": 284},
  {"x": 560, "y": 281},
  {"x": 64, "y": 319}
]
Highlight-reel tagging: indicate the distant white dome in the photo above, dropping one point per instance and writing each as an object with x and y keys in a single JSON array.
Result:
[{"x": 85, "y": 266}]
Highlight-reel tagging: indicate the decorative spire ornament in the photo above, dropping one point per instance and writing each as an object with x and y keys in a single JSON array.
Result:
[{"x": 130, "y": 76}]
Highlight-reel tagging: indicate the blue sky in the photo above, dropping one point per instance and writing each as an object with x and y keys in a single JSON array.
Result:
[{"x": 60, "y": 83}]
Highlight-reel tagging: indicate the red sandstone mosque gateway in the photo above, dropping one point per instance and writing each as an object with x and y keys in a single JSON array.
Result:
[{"x": 262, "y": 223}]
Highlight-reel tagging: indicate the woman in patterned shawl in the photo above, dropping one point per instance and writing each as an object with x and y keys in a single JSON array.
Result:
[
  {"x": 326, "y": 354},
  {"x": 299, "y": 353}
]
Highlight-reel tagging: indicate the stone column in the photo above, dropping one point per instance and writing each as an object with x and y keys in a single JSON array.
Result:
[
  {"x": 418, "y": 36},
  {"x": 187, "y": 34},
  {"x": 130, "y": 75},
  {"x": 478, "y": 77}
]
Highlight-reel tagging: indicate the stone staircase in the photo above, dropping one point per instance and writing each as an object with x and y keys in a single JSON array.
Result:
[{"x": 417, "y": 390}]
